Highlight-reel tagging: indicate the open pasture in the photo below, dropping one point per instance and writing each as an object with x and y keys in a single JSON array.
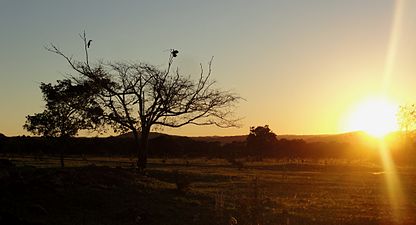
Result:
[{"x": 106, "y": 190}]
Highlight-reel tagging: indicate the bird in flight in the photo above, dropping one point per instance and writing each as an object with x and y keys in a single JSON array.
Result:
[{"x": 89, "y": 43}]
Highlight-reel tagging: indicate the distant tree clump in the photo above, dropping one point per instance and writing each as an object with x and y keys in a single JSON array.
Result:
[
  {"x": 260, "y": 140},
  {"x": 2, "y": 140},
  {"x": 137, "y": 96},
  {"x": 407, "y": 118},
  {"x": 69, "y": 108}
]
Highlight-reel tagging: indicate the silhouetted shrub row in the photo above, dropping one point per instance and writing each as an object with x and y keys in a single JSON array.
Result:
[{"x": 173, "y": 146}]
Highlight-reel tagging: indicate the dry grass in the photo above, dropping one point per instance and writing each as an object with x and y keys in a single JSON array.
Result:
[{"x": 268, "y": 192}]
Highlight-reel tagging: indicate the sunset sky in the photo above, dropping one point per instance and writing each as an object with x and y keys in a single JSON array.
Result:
[{"x": 301, "y": 65}]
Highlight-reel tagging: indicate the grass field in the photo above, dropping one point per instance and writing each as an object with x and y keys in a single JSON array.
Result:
[{"x": 106, "y": 190}]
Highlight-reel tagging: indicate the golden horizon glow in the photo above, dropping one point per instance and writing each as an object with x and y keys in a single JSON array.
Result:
[{"x": 376, "y": 116}]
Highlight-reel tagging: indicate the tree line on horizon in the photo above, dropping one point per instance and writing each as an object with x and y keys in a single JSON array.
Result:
[{"x": 261, "y": 143}]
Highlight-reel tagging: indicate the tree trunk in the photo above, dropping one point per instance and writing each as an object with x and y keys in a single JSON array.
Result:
[
  {"x": 142, "y": 156},
  {"x": 62, "y": 146},
  {"x": 137, "y": 146},
  {"x": 62, "y": 158}
]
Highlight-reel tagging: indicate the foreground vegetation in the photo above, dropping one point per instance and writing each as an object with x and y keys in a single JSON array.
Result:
[{"x": 104, "y": 190}]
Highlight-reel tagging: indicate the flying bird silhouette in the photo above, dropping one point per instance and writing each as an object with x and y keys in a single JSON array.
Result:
[
  {"x": 174, "y": 52},
  {"x": 89, "y": 43}
]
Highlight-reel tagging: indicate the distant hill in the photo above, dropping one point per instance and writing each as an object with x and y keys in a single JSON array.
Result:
[
  {"x": 221, "y": 139},
  {"x": 151, "y": 135},
  {"x": 351, "y": 137},
  {"x": 343, "y": 137},
  {"x": 349, "y": 145}
]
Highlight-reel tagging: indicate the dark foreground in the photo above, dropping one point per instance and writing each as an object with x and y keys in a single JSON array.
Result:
[{"x": 107, "y": 191}]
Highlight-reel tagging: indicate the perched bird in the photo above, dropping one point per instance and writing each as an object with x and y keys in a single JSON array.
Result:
[
  {"x": 174, "y": 52},
  {"x": 89, "y": 43}
]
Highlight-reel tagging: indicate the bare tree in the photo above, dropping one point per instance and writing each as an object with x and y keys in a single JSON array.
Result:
[{"x": 137, "y": 96}]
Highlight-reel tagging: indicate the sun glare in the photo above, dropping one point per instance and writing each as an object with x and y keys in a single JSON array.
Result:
[{"x": 375, "y": 116}]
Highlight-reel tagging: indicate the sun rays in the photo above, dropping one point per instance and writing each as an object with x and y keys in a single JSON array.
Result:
[{"x": 396, "y": 195}]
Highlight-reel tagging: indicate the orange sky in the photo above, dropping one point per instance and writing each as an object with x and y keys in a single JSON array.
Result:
[{"x": 300, "y": 65}]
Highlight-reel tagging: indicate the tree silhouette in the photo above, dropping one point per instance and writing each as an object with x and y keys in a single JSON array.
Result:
[
  {"x": 2, "y": 141},
  {"x": 136, "y": 96},
  {"x": 260, "y": 140},
  {"x": 69, "y": 108},
  {"x": 407, "y": 118}
]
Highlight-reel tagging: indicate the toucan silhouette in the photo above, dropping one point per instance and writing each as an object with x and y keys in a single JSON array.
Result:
[
  {"x": 89, "y": 43},
  {"x": 174, "y": 52}
]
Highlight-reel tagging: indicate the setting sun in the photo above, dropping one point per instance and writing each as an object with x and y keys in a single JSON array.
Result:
[{"x": 375, "y": 116}]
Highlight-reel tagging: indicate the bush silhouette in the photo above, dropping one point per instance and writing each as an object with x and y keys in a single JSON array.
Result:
[{"x": 260, "y": 141}]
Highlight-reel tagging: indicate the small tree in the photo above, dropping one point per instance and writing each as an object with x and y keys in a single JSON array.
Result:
[
  {"x": 260, "y": 140},
  {"x": 407, "y": 118},
  {"x": 136, "y": 96},
  {"x": 69, "y": 108}
]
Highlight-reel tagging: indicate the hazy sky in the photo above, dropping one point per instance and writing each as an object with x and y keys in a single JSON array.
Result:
[{"x": 300, "y": 64}]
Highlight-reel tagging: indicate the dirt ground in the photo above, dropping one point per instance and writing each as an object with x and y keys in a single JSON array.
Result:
[{"x": 203, "y": 191}]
